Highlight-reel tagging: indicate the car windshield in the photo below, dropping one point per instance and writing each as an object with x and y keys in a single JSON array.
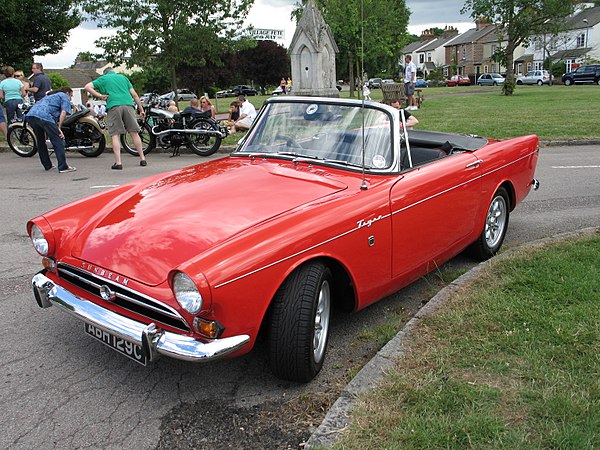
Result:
[{"x": 331, "y": 133}]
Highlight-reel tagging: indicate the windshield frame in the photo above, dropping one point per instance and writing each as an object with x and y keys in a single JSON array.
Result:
[{"x": 388, "y": 113}]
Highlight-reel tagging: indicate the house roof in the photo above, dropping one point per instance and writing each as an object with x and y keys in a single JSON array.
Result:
[
  {"x": 525, "y": 57},
  {"x": 576, "y": 22},
  {"x": 77, "y": 78},
  {"x": 571, "y": 53},
  {"x": 414, "y": 46},
  {"x": 471, "y": 36},
  {"x": 436, "y": 43}
]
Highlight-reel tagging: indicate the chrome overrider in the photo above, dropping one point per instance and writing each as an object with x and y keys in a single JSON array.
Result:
[{"x": 152, "y": 339}]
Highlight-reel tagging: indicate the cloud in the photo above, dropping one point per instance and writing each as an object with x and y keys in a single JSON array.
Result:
[{"x": 273, "y": 14}]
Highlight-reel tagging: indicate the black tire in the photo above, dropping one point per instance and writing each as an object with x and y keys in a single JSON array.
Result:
[
  {"x": 494, "y": 84},
  {"x": 204, "y": 144},
  {"x": 148, "y": 140},
  {"x": 540, "y": 82},
  {"x": 21, "y": 140},
  {"x": 97, "y": 141},
  {"x": 494, "y": 230},
  {"x": 598, "y": 81},
  {"x": 568, "y": 82},
  {"x": 519, "y": 82},
  {"x": 299, "y": 323}
]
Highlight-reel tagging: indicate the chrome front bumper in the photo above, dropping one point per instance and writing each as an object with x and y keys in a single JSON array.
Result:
[{"x": 151, "y": 339}]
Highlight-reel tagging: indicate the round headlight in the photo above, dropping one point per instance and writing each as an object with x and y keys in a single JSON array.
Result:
[
  {"x": 187, "y": 293},
  {"x": 39, "y": 241}
]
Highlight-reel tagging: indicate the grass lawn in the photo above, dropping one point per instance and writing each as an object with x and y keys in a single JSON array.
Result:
[
  {"x": 513, "y": 362},
  {"x": 552, "y": 112}
]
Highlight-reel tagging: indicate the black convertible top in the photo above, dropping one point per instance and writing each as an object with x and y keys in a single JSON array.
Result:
[{"x": 434, "y": 139}]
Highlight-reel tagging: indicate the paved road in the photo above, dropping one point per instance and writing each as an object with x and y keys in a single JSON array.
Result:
[{"x": 61, "y": 389}]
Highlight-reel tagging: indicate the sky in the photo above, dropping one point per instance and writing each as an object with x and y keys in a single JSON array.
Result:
[{"x": 275, "y": 14}]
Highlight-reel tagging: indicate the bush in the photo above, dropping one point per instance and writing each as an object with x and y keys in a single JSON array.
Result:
[{"x": 58, "y": 81}]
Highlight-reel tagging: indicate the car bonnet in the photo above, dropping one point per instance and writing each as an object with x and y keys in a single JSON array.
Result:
[{"x": 187, "y": 212}]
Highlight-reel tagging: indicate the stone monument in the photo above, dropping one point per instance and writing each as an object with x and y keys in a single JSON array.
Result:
[{"x": 312, "y": 53}]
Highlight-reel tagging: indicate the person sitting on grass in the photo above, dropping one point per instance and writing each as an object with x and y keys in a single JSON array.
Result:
[{"x": 247, "y": 115}]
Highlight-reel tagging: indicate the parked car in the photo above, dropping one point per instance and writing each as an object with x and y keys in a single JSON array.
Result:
[
  {"x": 387, "y": 81},
  {"x": 183, "y": 95},
  {"x": 583, "y": 74},
  {"x": 240, "y": 89},
  {"x": 374, "y": 83},
  {"x": 490, "y": 79},
  {"x": 420, "y": 83},
  {"x": 458, "y": 80},
  {"x": 311, "y": 211},
  {"x": 538, "y": 77},
  {"x": 278, "y": 91}
]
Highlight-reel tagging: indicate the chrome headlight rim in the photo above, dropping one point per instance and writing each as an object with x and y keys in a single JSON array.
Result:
[
  {"x": 187, "y": 293},
  {"x": 39, "y": 241}
]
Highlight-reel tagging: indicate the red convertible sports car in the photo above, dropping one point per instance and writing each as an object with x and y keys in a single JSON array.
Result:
[{"x": 326, "y": 202}]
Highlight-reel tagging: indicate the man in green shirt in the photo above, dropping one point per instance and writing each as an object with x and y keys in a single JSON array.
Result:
[{"x": 121, "y": 99}]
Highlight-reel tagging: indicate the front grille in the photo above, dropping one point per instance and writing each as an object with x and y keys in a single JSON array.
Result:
[{"x": 126, "y": 298}]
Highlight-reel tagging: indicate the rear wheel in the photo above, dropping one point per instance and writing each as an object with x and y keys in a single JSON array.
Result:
[
  {"x": 148, "y": 140},
  {"x": 299, "y": 323},
  {"x": 21, "y": 140},
  {"x": 204, "y": 144},
  {"x": 95, "y": 142},
  {"x": 540, "y": 82},
  {"x": 496, "y": 225},
  {"x": 519, "y": 82}
]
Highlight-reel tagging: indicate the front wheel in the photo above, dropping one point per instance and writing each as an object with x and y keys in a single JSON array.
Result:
[
  {"x": 568, "y": 82},
  {"x": 496, "y": 225},
  {"x": 21, "y": 140},
  {"x": 204, "y": 144},
  {"x": 540, "y": 82},
  {"x": 519, "y": 82},
  {"x": 148, "y": 140},
  {"x": 299, "y": 323}
]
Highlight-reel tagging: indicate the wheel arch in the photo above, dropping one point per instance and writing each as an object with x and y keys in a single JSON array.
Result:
[
  {"x": 344, "y": 294},
  {"x": 510, "y": 189}
]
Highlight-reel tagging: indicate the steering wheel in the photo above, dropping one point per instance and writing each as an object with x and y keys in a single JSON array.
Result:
[{"x": 289, "y": 141}]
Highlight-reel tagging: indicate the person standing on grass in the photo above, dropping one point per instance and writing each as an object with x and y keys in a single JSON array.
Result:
[
  {"x": 121, "y": 98},
  {"x": 410, "y": 77},
  {"x": 42, "y": 118}
]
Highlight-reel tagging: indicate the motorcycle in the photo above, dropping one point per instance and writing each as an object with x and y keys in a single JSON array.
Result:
[
  {"x": 196, "y": 131},
  {"x": 81, "y": 131}
]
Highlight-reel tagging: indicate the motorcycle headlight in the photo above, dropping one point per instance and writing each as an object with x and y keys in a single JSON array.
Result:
[
  {"x": 40, "y": 243},
  {"x": 186, "y": 292}
]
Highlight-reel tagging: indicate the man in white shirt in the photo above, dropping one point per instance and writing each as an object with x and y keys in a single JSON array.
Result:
[
  {"x": 247, "y": 115},
  {"x": 410, "y": 76}
]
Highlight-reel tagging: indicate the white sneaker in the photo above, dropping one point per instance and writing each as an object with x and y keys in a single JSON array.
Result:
[{"x": 68, "y": 169}]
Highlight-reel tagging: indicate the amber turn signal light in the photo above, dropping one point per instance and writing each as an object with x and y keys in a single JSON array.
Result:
[{"x": 208, "y": 328}]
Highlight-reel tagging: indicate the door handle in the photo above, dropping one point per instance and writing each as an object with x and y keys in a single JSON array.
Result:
[{"x": 474, "y": 163}]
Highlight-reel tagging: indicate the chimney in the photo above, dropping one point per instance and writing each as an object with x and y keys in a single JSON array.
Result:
[
  {"x": 426, "y": 35},
  {"x": 449, "y": 31},
  {"x": 481, "y": 23}
]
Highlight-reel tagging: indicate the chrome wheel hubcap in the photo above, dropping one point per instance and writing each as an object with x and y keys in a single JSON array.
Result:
[
  {"x": 495, "y": 222},
  {"x": 322, "y": 321}
]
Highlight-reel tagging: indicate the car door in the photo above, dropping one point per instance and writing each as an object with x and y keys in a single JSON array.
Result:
[{"x": 433, "y": 209}]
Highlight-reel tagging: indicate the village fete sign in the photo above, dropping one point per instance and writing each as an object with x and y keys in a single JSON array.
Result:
[{"x": 262, "y": 34}]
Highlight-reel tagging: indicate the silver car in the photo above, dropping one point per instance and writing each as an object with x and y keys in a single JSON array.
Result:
[
  {"x": 490, "y": 79},
  {"x": 538, "y": 77}
]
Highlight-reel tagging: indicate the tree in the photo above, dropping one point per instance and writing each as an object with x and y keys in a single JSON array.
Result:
[
  {"x": 369, "y": 33},
  {"x": 58, "y": 81},
  {"x": 34, "y": 28},
  {"x": 168, "y": 34},
  {"x": 517, "y": 21},
  {"x": 265, "y": 64}
]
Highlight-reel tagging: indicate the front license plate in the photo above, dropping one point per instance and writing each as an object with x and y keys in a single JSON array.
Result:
[{"x": 124, "y": 347}]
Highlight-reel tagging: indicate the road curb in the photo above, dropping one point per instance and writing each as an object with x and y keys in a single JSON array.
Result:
[{"x": 339, "y": 415}]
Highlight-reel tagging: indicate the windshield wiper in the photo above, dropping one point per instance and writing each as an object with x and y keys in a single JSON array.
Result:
[
  {"x": 342, "y": 162},
  {"x": 297, "y": 155}
]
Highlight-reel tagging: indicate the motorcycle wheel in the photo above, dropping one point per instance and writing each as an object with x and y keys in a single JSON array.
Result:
[
  {"x": 21, "y": 140},
  {"x": 97, "y": 142},
  {"x": 204, "y": 144},
  {"x": 148, "y": 140}
]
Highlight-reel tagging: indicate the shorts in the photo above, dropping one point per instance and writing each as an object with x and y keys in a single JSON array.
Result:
[
  {"x": 245, "y": 122},
  {"x": 2, "y": 118},
  {"x": 121, "y": 119},
  {"x": 408, "y": 89}
]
